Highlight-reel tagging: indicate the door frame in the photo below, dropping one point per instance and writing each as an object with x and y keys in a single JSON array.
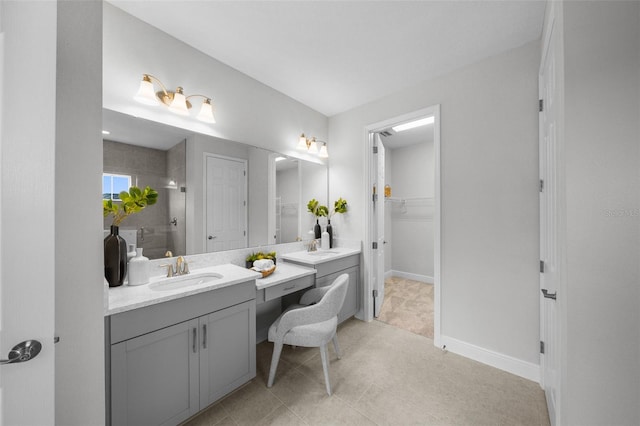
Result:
[
  {"x": 205, "y": 157},
  {"x": 368, "y": 251}
]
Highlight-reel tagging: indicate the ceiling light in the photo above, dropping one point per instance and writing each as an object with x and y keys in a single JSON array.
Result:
[
  {"x": 177, "y": 101},
  {"x": 311, "y": 146},
  {"x": 413, "y": 124},
  {"x": 280, "y": 158},
  {"x": 106, "y": 132}
]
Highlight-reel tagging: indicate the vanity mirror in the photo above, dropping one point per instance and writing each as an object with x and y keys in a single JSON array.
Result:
[{"x": 214, "y": 194}]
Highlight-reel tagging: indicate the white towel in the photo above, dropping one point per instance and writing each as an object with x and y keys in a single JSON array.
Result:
[{"x": 263, "y": 264}]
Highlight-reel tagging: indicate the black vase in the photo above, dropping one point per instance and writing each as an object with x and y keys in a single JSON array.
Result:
[
  {"x": 115, "y": 258},
  {"x": 316, "y": 230},
  {"x": 330, "y": 232}
]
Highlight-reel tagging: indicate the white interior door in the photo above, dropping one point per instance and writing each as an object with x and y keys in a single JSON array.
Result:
[
  {"x": 549, "y": 275},
  {"x": 226, "y": 203},
  {"x": 27, "y": 175},
  {"x": 377, "y": 205}
]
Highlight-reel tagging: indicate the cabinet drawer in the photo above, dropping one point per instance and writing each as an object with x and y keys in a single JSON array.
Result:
[
  {"x": 334, "y": 266},
  {"x": 285, "y": 288}
]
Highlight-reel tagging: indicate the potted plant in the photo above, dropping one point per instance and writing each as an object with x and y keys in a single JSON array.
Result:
[
  {"x": 339, "y": 206},
  {"x": 314, "y": 207},
  {"x": 115, "y": 248}
]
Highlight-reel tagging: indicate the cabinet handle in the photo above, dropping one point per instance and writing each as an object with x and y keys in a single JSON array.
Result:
[
  {"x": 194, "y": 339},
  {"x": 204, "y": 336},
  {"x": 289, "y": 288}
]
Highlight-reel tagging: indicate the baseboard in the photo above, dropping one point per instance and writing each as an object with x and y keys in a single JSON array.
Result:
[
  {"x": 503, "y": 362},
  {"x": 388, "y": 274},
  {"x": 415, "y": 277}
]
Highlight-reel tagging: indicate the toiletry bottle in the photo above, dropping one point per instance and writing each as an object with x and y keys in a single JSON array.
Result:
[
  {"x": 131, "y": 253},
  {"x": 325, "y": 241},
  {"x": 139, "y": 269}
]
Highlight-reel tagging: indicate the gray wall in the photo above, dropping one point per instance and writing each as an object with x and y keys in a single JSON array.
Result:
[
  {"x": 79, "y": 372},
  {"x": 602, "y": 115},
  {"x": 489, "y": 167}
]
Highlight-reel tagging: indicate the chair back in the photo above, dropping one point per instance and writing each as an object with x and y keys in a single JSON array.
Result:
[{"x": 333, "y": 299}]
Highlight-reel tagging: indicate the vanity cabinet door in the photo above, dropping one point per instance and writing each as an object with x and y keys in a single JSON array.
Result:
[
  {"x": 350, "y": 306},
  {"x": 227, "y": 351},
  {"x": 154, "y": 377}
]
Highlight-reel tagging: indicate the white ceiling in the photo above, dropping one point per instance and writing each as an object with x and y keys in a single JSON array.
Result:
[{"x": 335, "y": 55}]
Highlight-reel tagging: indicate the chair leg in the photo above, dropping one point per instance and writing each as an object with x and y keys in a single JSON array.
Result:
[
  {"x": 277, "y": 349},
  {"x": 325, "y": 367},
  {"x": 336, "y": 347}
]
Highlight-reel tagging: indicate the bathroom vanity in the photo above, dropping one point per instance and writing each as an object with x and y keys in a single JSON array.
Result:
[
  {"x": 178, "y": 344},
  {"x": 329, "y": 264},
  {"x": 173, "y": 354}
]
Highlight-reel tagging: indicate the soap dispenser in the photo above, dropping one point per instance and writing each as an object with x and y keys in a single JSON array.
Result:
[
  {"x": 139, "y": 269},
  {"x": 325, "y": 240}
]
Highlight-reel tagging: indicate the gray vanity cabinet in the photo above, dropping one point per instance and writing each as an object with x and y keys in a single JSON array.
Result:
[
  {"x": 171, "y": 360},
  {"x": 154, "y": 377},
  {"x": 327, "y": 272},
  {"x": 228, "y": 351},
  {"x": 350, "y": 306}
]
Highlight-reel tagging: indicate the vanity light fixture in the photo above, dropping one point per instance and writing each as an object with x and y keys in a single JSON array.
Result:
[
  {"x": 177, "y": 101},
  {"x": 311, "y": 146},
  {"x": 414, "y": 124},
  {"x": 106, "y": 132}
]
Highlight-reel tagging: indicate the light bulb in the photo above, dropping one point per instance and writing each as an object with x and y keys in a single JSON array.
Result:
[
  {"x": 313, "y": 147},
  {"x": 323, "y": 151},
  {"x": 146, "y": 94},
  {"x": 179, "y": 103},
  {"x": 302, "y": 143},
  {"x": 206, "y": 112}
]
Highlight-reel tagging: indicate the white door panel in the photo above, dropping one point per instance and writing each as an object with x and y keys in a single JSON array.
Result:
[
  {"x": 225, "y": 204},
  {"x": 549, "y": 278},
  {"x": 27, "y": 176},
  {"x": 378, "y": 223}
]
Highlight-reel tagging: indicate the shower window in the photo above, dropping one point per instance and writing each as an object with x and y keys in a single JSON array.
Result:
[{"x": 113, "y": 184}]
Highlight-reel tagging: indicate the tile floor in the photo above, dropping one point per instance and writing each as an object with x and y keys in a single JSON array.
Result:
[
  {"x": 408, "y": 304},
  {"x": 387, "y": 376}
]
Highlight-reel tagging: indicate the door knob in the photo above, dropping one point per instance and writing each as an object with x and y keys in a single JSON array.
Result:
[
  {"x": 23, "y": 352},
  {"x": 548, "y": 295},
  {"x": 210, "y": 237}
]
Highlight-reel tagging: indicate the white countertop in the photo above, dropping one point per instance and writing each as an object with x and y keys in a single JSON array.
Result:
[
  {"x": 126, "y": 298},
  {"x": 319, "y": 256},
  {"x": 284, "y": 272}
]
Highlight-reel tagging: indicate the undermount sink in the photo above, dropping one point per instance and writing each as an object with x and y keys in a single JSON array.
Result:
[
  {"x": 175, "y": 283},
  {"x": 322, "y": 253}
]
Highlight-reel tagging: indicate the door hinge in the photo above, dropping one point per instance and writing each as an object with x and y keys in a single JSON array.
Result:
[
  {"x": 542, "y": 266},
  {"x": 244, "y": 233},
  {"x": 375, "y": 149},
  {"x": 374, "y": 197},
  {"x": 244, "y": 203},
  {"x": 540, "y": 105},
  {"x": 244, "y": 172},
  {"x": 541, "y": 185},
  {"x": 541, "y": 347},
  {"x": 375, "y": 293},
  {"x": 374, "y": 245}
]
